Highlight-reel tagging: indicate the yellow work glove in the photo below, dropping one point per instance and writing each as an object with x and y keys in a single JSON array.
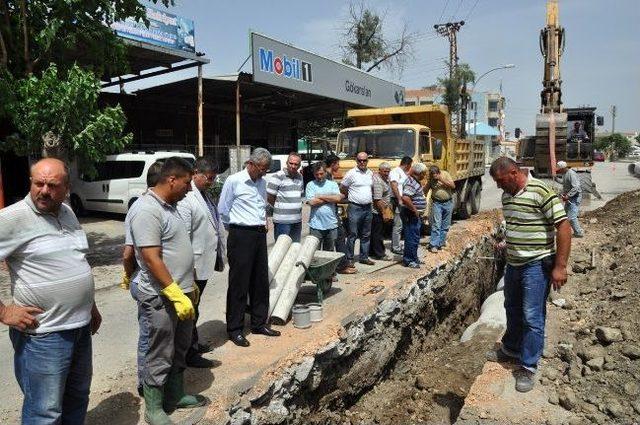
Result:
[
  {"x": 125, "y": 282},
  {"x": 196, "y": 294},
  {"x": 182, "y": 303}
]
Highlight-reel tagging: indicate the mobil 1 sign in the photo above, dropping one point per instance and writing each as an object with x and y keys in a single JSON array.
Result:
[{"x": 282, "y": 65}]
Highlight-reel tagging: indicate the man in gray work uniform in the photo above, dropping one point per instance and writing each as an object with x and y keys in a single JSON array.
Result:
[
  {"x": 571, "y": 195},
  {"x": 166, "y": 290}
]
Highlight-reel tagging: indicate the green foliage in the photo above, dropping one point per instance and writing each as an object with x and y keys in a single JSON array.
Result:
[
  {"x": 616, "y": 142},
  {"x": 462, "y": 76},
  {"x": 64, "y": 32},
  {"x": 63, "y": 108}
]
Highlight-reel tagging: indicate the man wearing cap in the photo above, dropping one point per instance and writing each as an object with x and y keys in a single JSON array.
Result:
[{"x": 571, "y": 195}]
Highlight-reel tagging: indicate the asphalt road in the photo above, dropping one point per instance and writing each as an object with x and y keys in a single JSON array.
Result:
[{"x": 114, "y": 346}]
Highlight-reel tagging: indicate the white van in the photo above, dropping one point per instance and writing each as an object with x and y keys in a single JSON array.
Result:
[{"x": 119, "y": 181}]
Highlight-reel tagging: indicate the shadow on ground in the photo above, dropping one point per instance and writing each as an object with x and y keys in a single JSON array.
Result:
[{"x": 122, "y": 409}]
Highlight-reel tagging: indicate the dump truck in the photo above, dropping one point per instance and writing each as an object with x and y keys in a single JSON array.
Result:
[{"x": 423, "y": 133}]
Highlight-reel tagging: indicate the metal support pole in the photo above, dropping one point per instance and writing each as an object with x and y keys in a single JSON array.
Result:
[
  {"x": 200, "y": 124},
  {"x": 238, "y": 159}
]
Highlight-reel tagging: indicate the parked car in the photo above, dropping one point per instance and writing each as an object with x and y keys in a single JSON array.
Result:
[
  {"x": 598, "y": 156},
  {"x": 119, "y": 181}
]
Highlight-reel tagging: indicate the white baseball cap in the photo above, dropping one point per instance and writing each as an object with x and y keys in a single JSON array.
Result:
[{"x": 561, "y": 164}]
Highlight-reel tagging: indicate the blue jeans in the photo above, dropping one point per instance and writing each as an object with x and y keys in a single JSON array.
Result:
[
  {"x": 441, "y": 222},
  {"x": 292, "y": 230},
  {"x": 411, "y": 227},
  {"x": 526, "y": 289},
  {"x": 54, "y": 373},
  {"x": 572, "y": 207},
  {"x": 143, "y": 334},
  {"x": 360, "y": 217}
]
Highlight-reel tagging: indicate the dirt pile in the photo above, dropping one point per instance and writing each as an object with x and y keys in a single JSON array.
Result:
[
  {"x": 592, "y": 368},
  {"x": 590, "y": 371}
]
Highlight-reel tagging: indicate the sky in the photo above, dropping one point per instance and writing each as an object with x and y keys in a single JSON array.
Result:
[{"x": 600, "y": 66}]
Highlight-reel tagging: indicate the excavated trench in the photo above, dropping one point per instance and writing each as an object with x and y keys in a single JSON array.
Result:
[{"x": 401, "y": 363}]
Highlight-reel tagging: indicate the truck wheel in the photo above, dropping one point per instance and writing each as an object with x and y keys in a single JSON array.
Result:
[
  {"x": 131, "y": 201},
  {"x": 475, "y": 197},
  {"x": 76, "y": 205},
  {"x": 465, "y": 208}
]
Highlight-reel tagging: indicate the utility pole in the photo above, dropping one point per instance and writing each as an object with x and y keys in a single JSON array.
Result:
[
  {"x": 613, "y": 119},
  {"x": 450, "y": 31}
]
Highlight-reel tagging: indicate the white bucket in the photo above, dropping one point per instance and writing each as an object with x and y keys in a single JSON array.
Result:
[
  {"x": 301, "y": 316},
  {"x": 315, "y": 310}
]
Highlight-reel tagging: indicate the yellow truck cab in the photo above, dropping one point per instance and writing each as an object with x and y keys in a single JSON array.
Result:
[{"x": 423, "y": 133}]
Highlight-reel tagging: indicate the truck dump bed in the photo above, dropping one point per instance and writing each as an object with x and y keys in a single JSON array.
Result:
[{"x": 463, "y": 158}]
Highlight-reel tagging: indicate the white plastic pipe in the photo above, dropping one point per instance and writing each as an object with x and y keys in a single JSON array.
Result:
[
  {"x": 294, "y": 280},
  {"x": 277, "y": 254},
  {"x": 280, "y": 276}
]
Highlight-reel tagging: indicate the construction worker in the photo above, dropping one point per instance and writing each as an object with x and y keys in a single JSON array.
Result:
[
  {"x": 538, "y": 241},
  {"x": 166, "y": 290},
  {"x": 442, "y": 187},
  {"x": 571, "y": 195}
]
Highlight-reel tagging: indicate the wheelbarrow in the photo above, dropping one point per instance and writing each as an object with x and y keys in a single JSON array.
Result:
[{"x": 321, "y": 270}]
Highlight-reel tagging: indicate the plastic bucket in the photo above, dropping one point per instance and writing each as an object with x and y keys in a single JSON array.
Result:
[
  {"x": 315, "y": 311},
  {"x": 301, "y": 316}
]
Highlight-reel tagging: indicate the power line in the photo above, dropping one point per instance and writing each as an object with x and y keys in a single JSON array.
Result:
[
  {"x": 471, "y": 10},
  {"x": 443, "y": 9},
  {"x": 457, "y": 9}
]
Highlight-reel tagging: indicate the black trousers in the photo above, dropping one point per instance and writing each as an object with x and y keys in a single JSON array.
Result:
[
  {"x": 376, "y": 249},
  {"x": 193, "y": 349},
  {"x": 248, "y": 274}
]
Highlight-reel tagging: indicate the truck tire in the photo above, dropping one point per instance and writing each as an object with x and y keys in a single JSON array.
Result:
[
  {"x": 76, "y": 205},
  {"x": 465, "y": 209},
  {"x": 475, "y": 197}
]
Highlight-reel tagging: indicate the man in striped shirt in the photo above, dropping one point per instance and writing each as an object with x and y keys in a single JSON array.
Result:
[
  {"x": 534, "y": 216},
  {"x": 413, "y": 205},
  {"x": 284, "y": 194}
]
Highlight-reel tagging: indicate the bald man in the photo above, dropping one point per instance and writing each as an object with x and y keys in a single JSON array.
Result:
[{"x": 53, "y": 313}]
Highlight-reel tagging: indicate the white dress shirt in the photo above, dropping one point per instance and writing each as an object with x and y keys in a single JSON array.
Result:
[{"x": 243, "y": 201}]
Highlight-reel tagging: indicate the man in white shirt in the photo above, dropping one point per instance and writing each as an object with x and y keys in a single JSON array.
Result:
[
  {"x": 243, "y": 208},
  {"x": 397, "y": 177},
  {"x": 53, "y": 313},
  {"x": 357, "y": 186}
]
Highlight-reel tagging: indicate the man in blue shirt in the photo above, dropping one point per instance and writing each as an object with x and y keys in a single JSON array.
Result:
[
  {"x": 322, "y": 195},
  {"x": 242, "y": 207}
]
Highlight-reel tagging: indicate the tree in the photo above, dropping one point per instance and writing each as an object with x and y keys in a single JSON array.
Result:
[
  {"x": 616, "y": 142},
  {"x": 455, "y": 94},
  {"x": 366, "y": 46},
  {"x": 50, "y": 54},
  {"x": 35, "y": 33},
  {"x": 61, "y": 116}
]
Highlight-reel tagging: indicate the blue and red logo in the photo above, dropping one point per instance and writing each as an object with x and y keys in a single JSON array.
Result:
[{"x": 283, "y": 66}]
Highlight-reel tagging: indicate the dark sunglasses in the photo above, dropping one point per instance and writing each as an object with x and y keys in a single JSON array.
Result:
[{"x": 362, "y": 160}]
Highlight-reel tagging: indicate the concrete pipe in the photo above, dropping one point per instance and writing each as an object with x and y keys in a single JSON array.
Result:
[
  {"x": 294, "y": 280},
  {"x": 280, "y": 276},
  {"x": 277, "y": 254},
  {"x": 492, "y": 316}
]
